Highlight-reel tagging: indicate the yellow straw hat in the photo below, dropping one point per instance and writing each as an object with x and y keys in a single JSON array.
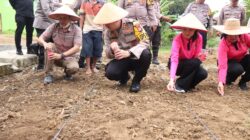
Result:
[
  {"x": 189, "y": 21},
  {"x": 232, "y": 27},
  {"x": 64, "y": 10},
  {"x": 109, "y": 13}
]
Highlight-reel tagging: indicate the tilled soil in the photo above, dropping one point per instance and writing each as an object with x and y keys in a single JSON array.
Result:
[{"x": 93, "y": 108}]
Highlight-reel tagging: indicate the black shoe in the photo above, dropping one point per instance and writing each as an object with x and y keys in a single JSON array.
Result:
[
  {"x": 68, "y": 77},
  {"x": 155, "y": 61},
  {"x": 19, "y": 52},
  {"x": 243, "y": 86},
  {"x": 135, "y": 87},
  {"x": 123, "y": 82}
]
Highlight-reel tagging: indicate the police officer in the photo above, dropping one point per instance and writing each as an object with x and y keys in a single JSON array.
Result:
[
  {"x": 156, "y": 37},
  {"x": 24, "y": 18},
  {"x": 232, "y": 10},
  {"x": 203, "y": 12},
  {"x": 126, "y": 44},
  {"x": 143, "y": 11}
]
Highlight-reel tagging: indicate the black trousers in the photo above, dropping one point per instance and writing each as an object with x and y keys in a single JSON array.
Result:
[
  {"x": 204, "y": 39},
  {"x": 118, "y": 69},
  {"x": 149, "y": 31},
  {"x": 235, "y": 69},
  {"x": 22, "y": 22},
  {"x": 40, "y": 51},
  {"x": 191, "y": 73},
  {"x": 155, "y": 39}
]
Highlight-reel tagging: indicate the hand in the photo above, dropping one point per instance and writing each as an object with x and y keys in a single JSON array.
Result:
[
  {"x": 120, "y": 54},
  {"x": 171, "y": 85},
  {"x": 54, "y": 56},
  {"x": 166, "y": 19},
  {"x": 47, "y": 46},
  {"x": 114, "y": 46},
  {"x": 218, "y": 34},
  {"x": 153, "y": 28},
  {"x": 221, "y": 88},
  {"x": 202, "y": 56}
]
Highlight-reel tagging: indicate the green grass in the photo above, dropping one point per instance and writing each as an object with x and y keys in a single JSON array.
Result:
[
  {"x": 8, "y": 16},
  {"x": 213, "y": 42}
]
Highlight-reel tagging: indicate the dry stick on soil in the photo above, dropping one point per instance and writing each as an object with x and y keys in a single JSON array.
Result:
[
  {"x": 76, "y": 108},
  {"x": 211, "y": 134}
]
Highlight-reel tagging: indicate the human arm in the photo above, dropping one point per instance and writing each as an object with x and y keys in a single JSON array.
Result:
[
  {"x": 243, "y": 16},
  {"x": 222, "y": 66},
  {"x": 187, "y": 10},
  {"x": 120, "y": 3},
  {"x": 151, "y": 15},
  {"x": 221, "y": 17}
]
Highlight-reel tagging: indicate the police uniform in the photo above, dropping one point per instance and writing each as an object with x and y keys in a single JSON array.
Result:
[
  {"x": 24, "y": 18},
  {"x": 229, "y": 11},
  {"x": 132, "y": 37},
  {"x": 156, "y": 37},
  {"x": 141, "y": 10},
  {"x": 203, "y": 13}
]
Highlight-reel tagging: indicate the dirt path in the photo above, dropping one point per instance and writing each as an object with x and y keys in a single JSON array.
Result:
[{"x": 95, "y": 108}]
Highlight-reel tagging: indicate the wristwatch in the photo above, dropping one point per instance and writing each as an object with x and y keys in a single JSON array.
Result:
[{"x": 62, "y": 56}]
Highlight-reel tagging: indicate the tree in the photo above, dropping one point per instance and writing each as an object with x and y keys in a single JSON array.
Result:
[
  {"x": 247, "y": 6},
  {"x": 178, "y": 6}
]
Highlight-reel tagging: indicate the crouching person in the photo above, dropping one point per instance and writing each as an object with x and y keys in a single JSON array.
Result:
[
  {"x": 233, "y": 55},
  {"x": 127, "y": 44},
  {"x": 186, "y": 55},
  {"x": 67, "y": 39}
]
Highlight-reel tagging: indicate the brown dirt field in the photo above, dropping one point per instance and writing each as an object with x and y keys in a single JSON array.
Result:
[{"x": 94, "y": 108}]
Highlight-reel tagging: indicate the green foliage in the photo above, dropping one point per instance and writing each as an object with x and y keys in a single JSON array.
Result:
[
  {"x": 178, "y": 6},
  {"x": 113, "y": 1},
  {"x": 166, "y": 32},
  {"x": 247, "y": 5},
  {"x": 213, "y": 42}
]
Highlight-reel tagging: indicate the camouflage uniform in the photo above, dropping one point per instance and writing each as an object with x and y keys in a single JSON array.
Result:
[
  {"x": 229, "y": 11},
  {"x": 132, "y": 37},
  {"x": 203, "y": 13},
  {"x": 141, "y": 10}
]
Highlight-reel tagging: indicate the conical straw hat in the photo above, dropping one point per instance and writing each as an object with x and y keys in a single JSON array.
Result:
[
  {"x": 189, "y": 21},
  {"x": 109, "y": 13},
  {"x": 64, "y": 10},
  {"x": 232, "y": 27}
]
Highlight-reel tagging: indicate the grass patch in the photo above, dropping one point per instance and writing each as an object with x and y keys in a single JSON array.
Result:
[{"x": 213, "y": 42}]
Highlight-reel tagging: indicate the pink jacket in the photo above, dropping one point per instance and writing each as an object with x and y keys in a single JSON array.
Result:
[
  {"x": 227, "y": 51},
  {"x": 180, "y": 51}
]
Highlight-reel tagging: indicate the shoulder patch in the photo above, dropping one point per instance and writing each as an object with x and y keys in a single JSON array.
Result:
[{"x": 140, "y": 33}]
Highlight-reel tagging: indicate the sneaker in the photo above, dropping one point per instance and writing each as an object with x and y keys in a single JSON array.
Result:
[
  {"x": 19, "y": 52},
  {"x": 155, "y": 61},
  {"x": 178, "y": 89},
  {"x": 48, "y": 79},
  {"x": 135, "y": 87},
  {"x": 68, "y": 77},
  {"x": 243, "y": 86}
]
